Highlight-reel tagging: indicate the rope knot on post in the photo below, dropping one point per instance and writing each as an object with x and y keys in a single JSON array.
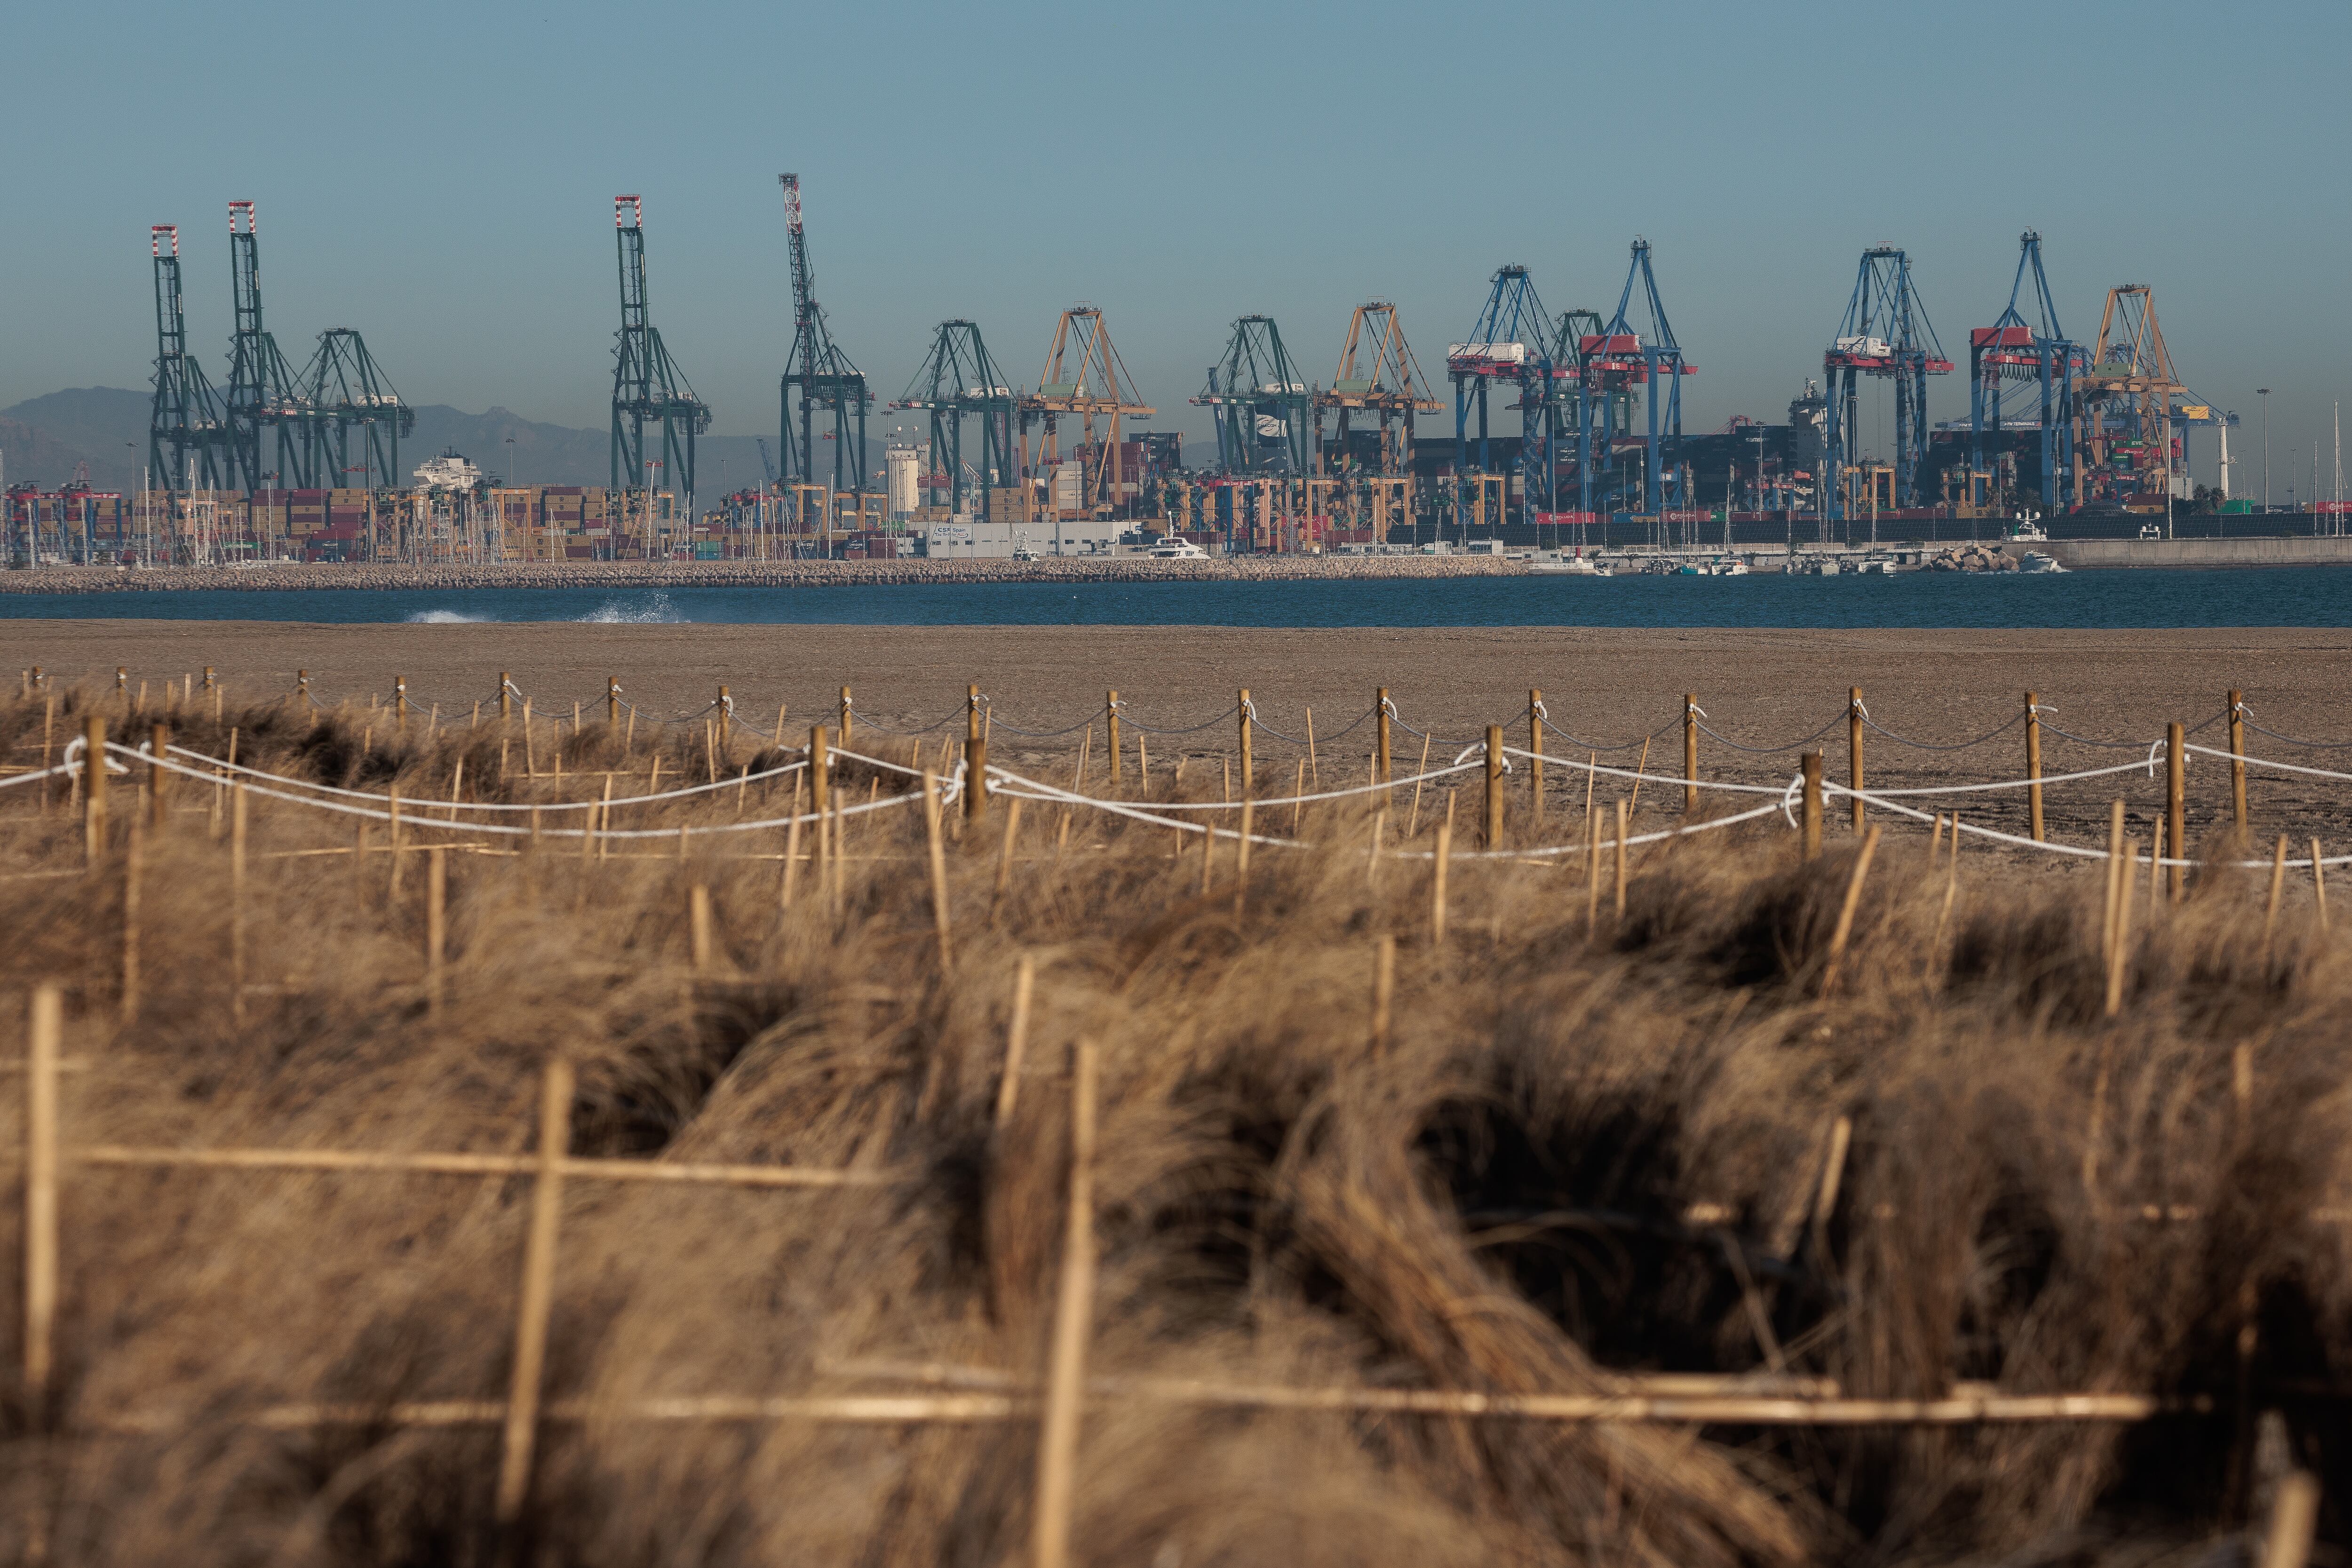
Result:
[
  {"x": 1694, "y": 710},
  {"x": 1390, "y": 707}
]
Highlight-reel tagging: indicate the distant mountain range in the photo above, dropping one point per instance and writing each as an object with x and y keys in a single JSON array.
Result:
[{"x": 43, "y": 437}]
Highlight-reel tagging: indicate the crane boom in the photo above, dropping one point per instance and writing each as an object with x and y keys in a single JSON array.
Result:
[{"x": 804, "y": 310}]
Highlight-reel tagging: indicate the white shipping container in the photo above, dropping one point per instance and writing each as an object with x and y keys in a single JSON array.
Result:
[{"x": 1507, "y": 353}]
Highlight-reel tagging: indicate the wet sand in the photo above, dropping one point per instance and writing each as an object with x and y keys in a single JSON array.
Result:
[{"x": 1756, "y": 687}]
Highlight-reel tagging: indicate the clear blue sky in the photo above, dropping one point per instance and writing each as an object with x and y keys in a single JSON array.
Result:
[{"x": 441, "y": 177}]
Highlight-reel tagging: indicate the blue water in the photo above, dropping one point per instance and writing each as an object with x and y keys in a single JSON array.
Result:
[{"x": 2245, "y": 598}]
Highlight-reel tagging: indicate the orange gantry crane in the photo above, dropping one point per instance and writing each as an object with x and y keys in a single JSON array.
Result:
[{"x": 1083, "y": 377}]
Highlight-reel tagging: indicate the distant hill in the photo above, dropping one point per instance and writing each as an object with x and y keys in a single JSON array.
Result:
[{"x": 106, "y": 427}]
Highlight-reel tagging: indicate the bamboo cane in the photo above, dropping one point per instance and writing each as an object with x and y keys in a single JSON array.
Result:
[
  {"x": 47, "y": 1025},
  {"x": 1845, "y": 929},
  {"x": 1058, "y": 1440},
  {"x": 939, "y": 858},
  {"x": 537, "y": 1301},
  {"x": 1016, "y": 1037}
]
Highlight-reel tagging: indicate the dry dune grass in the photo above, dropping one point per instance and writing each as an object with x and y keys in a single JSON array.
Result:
[{"x": 1578, "y": 1155}]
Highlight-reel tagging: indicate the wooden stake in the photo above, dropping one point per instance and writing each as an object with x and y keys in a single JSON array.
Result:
[
  {"x": 1811, "y": 817},
  {"x": 2155, "y": 871},
  {"x": 697, "y": 924},
  {"x": 47, "y": 1028},
  {"x": 2238, "y": 759},
  {"x": 391, "y": 798},
  {"x": 2278, "y": 886},
  {"x": 159, "y": 794},
  {"x": 2118, "y": 960},
  {"x": 537, "y": 1296},
  {"x": 939, "y": 858},
  {"x": 1591, "y": 778},
  {"x": 2175, "y": 786},
  {"x": 1298, "y": 796},
  {"x": 2293, "y": 1521},
  {"x": 1535, "y": 763},
  {"x": 1591, "y": 875},
  {"x": 1016, "y": 1037},
  {"x": 1492, "y": 838},
  {"x": 530, "y": 751},
  {"x": 793, "y": 844},
  {"x": 2319, "y": 884},
  {"x": 1384, "y": 989},
  {"x": 1111, "y": 707},
  {"x": 238, "y": 801},
  {"x": 1242, "y": 856},
  {"x": 1381, "y": 730},
  {"x": 2033, "y": 763},
  {"x": 1085, "y": 744},
  {"x": 133, "y": 856},
  {"x": 2114, "y": 861},
  {"x": 613, "y": 703},
  {"x": 1951, "y": 884},
  {"x": 1143, "y": 762},
  {"x": 437, "y": 923},
  {"x": 975, "y": 780},
  {"x": 399, "y": 700},
  {"x": 844, "y": 717},
  {"x": 818, "y": 766},
  {"x": 93, "y": 789},
  {"x": 1073, "y": 1328},
  {"x": 1853, "y": 747},
  {"x": 1439, "y": 863},
  {"x": 1690, "y": 752},
  {"x": 1248, "y": 770},
  {"x": 1844, "y": 928},
  {"x": 1421, "y": 776},
  {"x": 1314, "y": 770},
  {"x": 506, "y": 696},
  {"x": 1624, "y": 825}
]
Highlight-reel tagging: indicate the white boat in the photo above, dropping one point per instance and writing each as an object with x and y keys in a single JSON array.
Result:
[
  {"x": 1578, "y": 566},
  {"x": 1882, "y": 568},
  {"x": 1177, "y": 550},
  {"x": 2034, "y": 561}
]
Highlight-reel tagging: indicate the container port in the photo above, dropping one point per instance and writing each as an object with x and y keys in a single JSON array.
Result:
[{"x": 2065, "y": 438}]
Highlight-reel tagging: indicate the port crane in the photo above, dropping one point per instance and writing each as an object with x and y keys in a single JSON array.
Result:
[
  {"x": 647, "y": 387},
  {"x": 263, "y": 395},
  {"x": 960, "y": 378},
  {"x": 2037, "y": 351},
  {"x": 1083, "y": 375},
  {"x": 1259, "y": 401},
  {"x": 824, "y": 378},
  {"x": 1509, "y": 342},
  {"x": 1377, "y": 374},
  {"x": 1884, "y": 334},
  {"x": 187, "y": 441},
  {"x": 1610, "y": 363},
  {"x": 349, "y": 391}
]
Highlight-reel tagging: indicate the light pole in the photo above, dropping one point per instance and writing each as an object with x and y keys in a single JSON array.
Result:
[
  {"x": 2264, "y": 394},
  {"x": 511, "y": 462}
]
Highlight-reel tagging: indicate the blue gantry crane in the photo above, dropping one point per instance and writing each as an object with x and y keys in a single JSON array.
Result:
[
  {"x": 647, "y": 388},
  {"x": 823, "y": 376},
  {"x": 1260, "y": 402},
  {"x": 263, "y": 394},
  {"x": 187, "y": 442},
  {"x": 1510, "y": 342},
  {"x": 959, "y": 377},
  {"x": 1609, "y": 365},
  {"x": 2038, "y": 351},
  {"x": 1885, "y": 333}
]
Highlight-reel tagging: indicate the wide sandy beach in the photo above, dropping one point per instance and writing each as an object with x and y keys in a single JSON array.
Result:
[{"x": 1758, "y": 688}]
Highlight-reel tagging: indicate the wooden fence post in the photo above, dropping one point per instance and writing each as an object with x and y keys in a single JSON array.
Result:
[
  {"x": 819, "y": 785},
  {"x": 1384, "y": 989},
  {"x": 937, "y": 850},
  {"x": 1065, "y": 1378},
  {"x": 437, "y": 922},
  {"x": 159, "y": 740},
  {"x": 1242, "y": 855},
  {"x": 1536, "y": 761},
  {"x": 48, "y": 1024},
  {"x": 93, "y": 789},
  {"x": 726, "y": 727},
  {"x": 399, "y": 700},
  {"x": 1844, "y": 932},
  {"x": 1494, "y": 831},
  {"x": 975, "y": 760},
  {"x": 2238, "y": 759},
  {"x": 538, "y": 1295},
  {"x": 1248, "y": 776},
  {"x": 1110, "y": 706},
  {"x": 2176, "y": 787},
  {"x": 845, "y": 718},
  {"x": 2033, "y": 763},
  {"x": 2319, "y": 883},
  {"x": 1853, "y": 746},
  {"x": 613, "y": 703},
  {"x": 238, "y": 802},
  {"x": 1016, "y": 1037},
  {"x": 1625, "y": 823},
  {"x": 1811, "y": 817},
  {"x": 697, "y": 927},
  {"x": 1690, "y": 752},
  {"x": 1381, "y": 728},
  {"x": 506, "y": 696},
  {"x": 1439, "y": 862}
]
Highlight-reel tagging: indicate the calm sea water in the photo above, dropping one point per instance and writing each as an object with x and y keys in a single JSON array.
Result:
[{"x": 2282, "y": 597}]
